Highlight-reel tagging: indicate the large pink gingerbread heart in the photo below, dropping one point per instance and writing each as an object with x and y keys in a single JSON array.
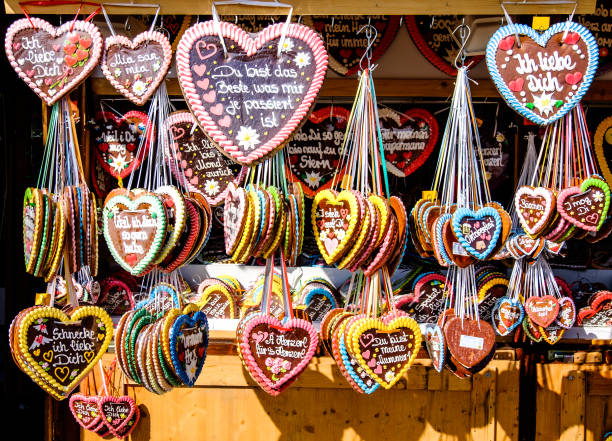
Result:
[
  {"x": 250, "y": 99},
  {"x": 52, "y": 61},
  {"x": 283, "y": 354}
]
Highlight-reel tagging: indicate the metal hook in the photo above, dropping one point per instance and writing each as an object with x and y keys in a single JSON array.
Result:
[
  {"x": 371, "y": 34},
  {"x": 464, "y": 34}
]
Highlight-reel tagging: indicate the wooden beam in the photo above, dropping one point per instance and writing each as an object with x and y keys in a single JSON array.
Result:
[
  {"x": 335, "y": 7},
  {"x": 346, "y": 87}
]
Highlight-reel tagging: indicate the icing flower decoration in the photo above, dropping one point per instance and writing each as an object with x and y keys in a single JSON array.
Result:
[
  {"x": 544, "y": 103},
  {"x": 139, "y": 87},
  {"x": 598, "y": 196},
  {"x": 212, "y": 187},
  {"x": 340, "y": 234},
  {"x": 313, "y": 179},
  {"x": 118, "y": 163},
  {"x": 302, "y": 59},
  {"x": 247, "y": 137},
  {"x": 389, "y": 376},
  {"x": 156, "y": 66},
  {"x": 117, "y": 72},
  {"x": 287, "y": 45}
]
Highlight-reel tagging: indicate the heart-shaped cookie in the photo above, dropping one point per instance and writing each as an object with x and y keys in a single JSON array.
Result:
[
  {"x": 345, "y": 46},
  {"x": 510, "y": 312},
  {"x": 117, "y": 141},
  {"x": 134, "y": 227},
  {"x": 59, "y": 349},
  {"x": 585, "y": 206},
  {"x": 477, "y": 231},
  {"x": 534, "y": 208},
  {"x": 195, "y": 161},
  {"x": 250, "y": 101},
  {"x": 234, "y": 216},
  {"x": 567, "y": 313},
  {"x": 274, "y": 352},
  {"x": 602, "y": 142},
  {"x": 188, "y": 344},
  {"x": 314, "y": 150},
  {"x": 545, "y": 75},
  {"x": 436, "y": 348},
  {"x": 599, "y": 312},
  {"x": 119, "y": 414},
  {"x": 408, "y": 138},
  {"x": 334, "y": 219},
  {"x": 53, "y": 61},
  {"x": 470, "y": 341},
  {"x": 217, "y": 302},
  {"x": 136, "y": 67},
  {"x": 542, "y": 310},
  {"x": 85, "y": 410},
  {"x": 385, "y": 350}
]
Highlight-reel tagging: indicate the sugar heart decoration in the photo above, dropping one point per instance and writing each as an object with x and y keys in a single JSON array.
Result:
[
  {"x": 60, "y": 349},
  {"x": 542, "y": 310},
  {"x": 478, "y": 232},
  {"x": 188, "y": 344},
  {"x": 436, "y": 348},
  {"x": 393, "y": 347},
  {"x": 119, "y": 414},
  {"x": 85, "y": 410},
  {"x": 33, "y": 40},
  {"x": 409, "y": 138},
  {"x": 134, "y": 228},
  {"x": 279, "y": 96},
  {"x": 585, "y": 206},
  {"x": 193, "y": 156},
  {"x": 470, "y": 341},
  {"x": 113, "y": 136},
  {"x": 314, "y": 150},
  {"x": 545, "y": 63},
  {"x": 334, "y": 221},
  {"x": 283, "y": 355},
  {"x": 534, "y": 207},
  {"x": 136, "y": 67}
]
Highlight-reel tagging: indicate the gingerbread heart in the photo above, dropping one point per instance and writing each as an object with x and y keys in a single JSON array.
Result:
[
  {"x": 274, "y": 352},
  {"x": 511, "y": 313},
  {"x": 234, "y": 216},
  {"x": 134, "y": 228},
  {"x": 217, "y": 302},
  {"x": 250, "y": 101},
  {"x": 567, "y": 313},
  {"x": 585, "y": 206},
  {"x": 122, "y": 143},
  {"x": 314, "y": 150},
  {"x": 385, "y": 350},
  {"x": 85, "y": 410},
  {"x": 477, "y": 231},
  {"x": 136, "y": 67},
  {"x": 60, "y": 349},
  {"x": 545, "y": 75},
  {"x": 188, "y": 344},
  {"x": 534, "y": 208},
  {"x": 602, "y": 142},
  {"x": 599, "y": 312},
  {"x": 195, "y": 161},
  {"x": 436, "y": 348},
  {"x": 53, "y": 61},
  {"x": 470, "y": 341},
  {"x": 542, "y": 310},
  {"x": 408, "y": 138},
  {"x": 119, "y": 414},
  {"x": 334, "y": 221}
]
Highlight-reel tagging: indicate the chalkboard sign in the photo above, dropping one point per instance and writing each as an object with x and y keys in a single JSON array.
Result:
[
  {"x": 345, "y": 46},
  {"x": 433, "y": 37},
  {"x": 600, "y": 25}
]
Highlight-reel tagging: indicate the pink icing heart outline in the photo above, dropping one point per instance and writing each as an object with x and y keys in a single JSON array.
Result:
[
  {"x": 252, "y": 365},
  {"x": 158, "y": 77},
  {"x": 95, "y": 51},
  {"x": 250, "y": 46},
  {"x": 86, "y": 399},
  {"x": 548, "y": 207},
  {"x": 118, "y": 431}
]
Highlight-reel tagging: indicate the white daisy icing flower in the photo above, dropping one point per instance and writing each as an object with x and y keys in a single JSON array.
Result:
[
  {"x": 139, "y": 87},
  {"x": 598, "y": 196},
  {"x": 156, "y": 66},
  {"x": 117, "y": 72},
  {"x": 313, "y": 179},
  {"x": 323, "y": 235},
  {"x": 340, "y": 234},
  {"x": 302, "y": 59},
  {"x": 389, "y": 376},
  {"x": 287, "y": 45},
  {"x": 211, "y": 187},
  {"x": 247, "y": 137}
]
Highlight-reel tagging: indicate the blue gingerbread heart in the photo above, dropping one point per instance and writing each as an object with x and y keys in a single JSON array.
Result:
[
  {"x": 188, "y": 344},
  {"x": 548, "y": 74},
  {"x": 478, "y": 232}
]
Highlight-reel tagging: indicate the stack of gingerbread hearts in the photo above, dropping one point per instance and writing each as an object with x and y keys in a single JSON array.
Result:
[
  {"x": 316, "y": 297},
  {"x": 219, "y": 297}
]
